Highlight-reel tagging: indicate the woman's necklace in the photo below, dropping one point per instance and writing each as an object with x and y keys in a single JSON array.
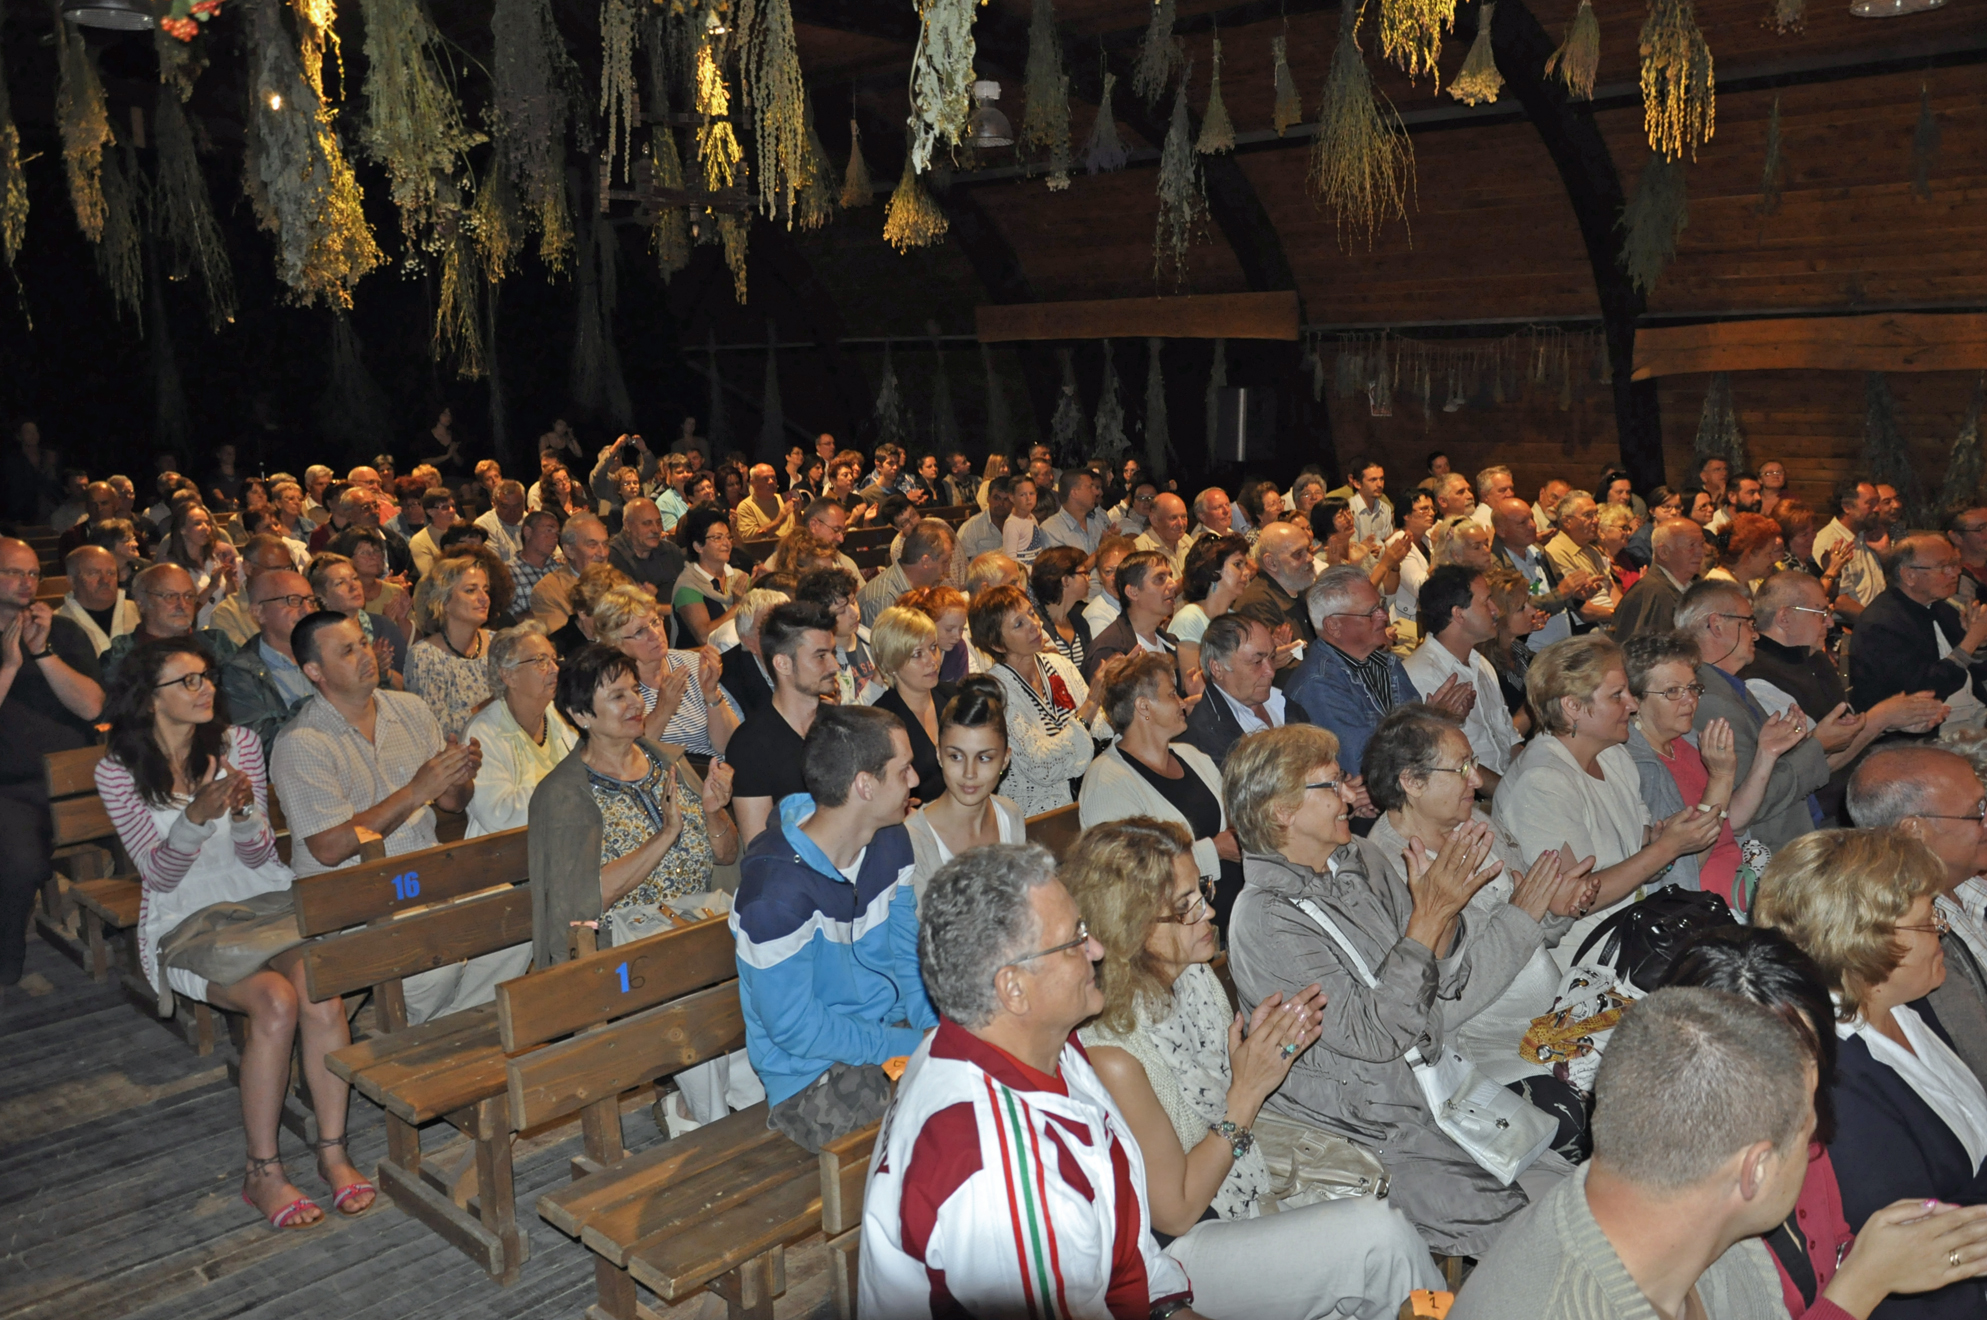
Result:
[{"x": 475, "y": 645}]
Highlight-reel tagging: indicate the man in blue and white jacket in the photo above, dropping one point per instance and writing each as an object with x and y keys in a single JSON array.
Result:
[{"x": 827, "y": 928}]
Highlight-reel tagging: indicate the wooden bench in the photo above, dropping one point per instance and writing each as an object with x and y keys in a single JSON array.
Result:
[
  {"x": 51, "y": 589},
  {"x": 1055, "y": 830},
  {"x": 714, "y": 1208}
]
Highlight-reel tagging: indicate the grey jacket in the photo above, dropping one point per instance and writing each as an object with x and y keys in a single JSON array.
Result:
[
  {"x": 1961, "y": 1004},
  {"x": 1354, "y": 1081},
  {"x": 1783, "y": 814}
]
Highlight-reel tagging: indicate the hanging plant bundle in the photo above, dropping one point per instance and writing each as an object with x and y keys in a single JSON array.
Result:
[
  {"x": 857, "y": 190},
  {"x": 1045, "y": 89},
  {"x": 718, "y": 152},
  {"x": 1924, "y": 146},
  {"x": 458, "y": 330},
  {"x": 495, "y": 226},
  {"x": 817, "y": 204},
  {"x": 889, "y": 412},
  {"x": 734, "y": 233},
  {"x": 182, "y": 214},
  {"x": 1217, "y": 131},
  {"x": 1776, "y": 168},
  {"x": 1182, "y": 204},
  {"x": 82, "y": 115},
  {"x": 1886, "y": 457},
  {"x": 1478, "y": 81},
  {"x": 181, "y": 59},
  {"x": 1578, "y": 58},
  {"x": 1106, "y": 150},
  {"x": 1362, "y": 164},
  {"x": 1159, "y": 55},
  {"x": 778, "y": 98},
  {"x": 317, "y": 22},
  {"x": 13, "y": 182},
  {"x": 1718, "y": 434},
  {"x": 413, "y": 125},
  {"x": 1654, "y": 217},
  {"x": 1788, "y": 16},
  {"x": 1411, "y": 34},
  {"x": 1158, "y": 432},
  {"x": 913, "y": 218},
  {"x": 1967, "y": 463},
  {"x": 941, "y": 77},
  {"x": 669, "y": 237},
  {"x": 529, "y": 111},
  {"x": 1679, "y": 94},
  {"x": 618, "y": 98},
  {"x": 998, "y": 438},
  {"x": 1111, "y": 445},
  {"x": 1289, "y": 110},
  {"x": 119, "y": 251},
  {"x": 1066, "y": 425},
  {"x": 308, "y": 196}
]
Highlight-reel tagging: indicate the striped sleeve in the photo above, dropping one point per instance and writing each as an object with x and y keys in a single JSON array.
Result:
[
  {"x": 162, "y": 862},
  {"x": 255, "y": 842}
]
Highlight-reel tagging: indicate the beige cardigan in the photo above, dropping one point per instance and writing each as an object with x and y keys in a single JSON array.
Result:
[{"x": 1112, "y": 790}]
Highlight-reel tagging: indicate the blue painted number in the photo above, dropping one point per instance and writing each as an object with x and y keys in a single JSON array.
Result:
[
  {"x": 406, "y": 885},
  {"x": 622, "y": 972}
]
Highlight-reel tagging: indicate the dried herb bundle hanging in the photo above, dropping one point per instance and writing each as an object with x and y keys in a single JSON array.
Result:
[
  {"x": 1787, "y": 16},
  {"x": 1886, "y": 456},
  {"x": 718, "y": 153},
  {"x": 495, "y": 226},
  {"x": 1718, "y": 433},
  {"x": 1654, "y": 216},
  {"x": 82, "y": 114},
  {"x": 119, "y": 250},
  {"x": 352, "y": 412},
  {"x": 1159, "y": 55},
  {"x": 1158, "y": 431},
  {"x": 1045, "y": 87},
  {"x": 1362, "y": 164},
  {"x": 1066, "y": 425},
  {"x": 182, "y": 214},
  {"x": 181, "y": 62},
  {"x": 1217, "y": 130},
  {"x": 1578, "y": 58},
  {"x": 618, "y": 100},
  {"x": 817, "y": 204},
  {"x": 1289, "y": 111},
  {"x": 317, "y": 22},
  {"x": 734, "y": 234},
  {"x": 413, "y": 124},
  {"x": 1679, "y": 91},
  {"x": 13, "y": 182},
  {"x": 913, "y": 218},
  {"x": 309, "y": 197},
  {"x": 778, "y": 98},
  {"x": 1776, "y": 168},
  {"x": 772, "y": 409},
  {"x": 530, "y": 108},
  {"x": 941, "y": 77},
  {"x": 857, "y": 190},
  {"x": 1967, "y": 463},
  {"x": 1478, "y": 81},
  {"x": 1111, "y": 445},
  {"x": 1106, "y": 150},
  {"x": 1924, "y": 145},
  {"x": 1411, "y": 34},
  {"x": 458, "y": 334},
  {"x": 889, "y": 412},
  {"x": 998, "y": 430},
  {"x": 1217, "y": 381},
  {"x": 1182, "y": 204}
]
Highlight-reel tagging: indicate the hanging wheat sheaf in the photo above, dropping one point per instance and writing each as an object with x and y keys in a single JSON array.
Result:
[
  {"x": 1679, "y": 92},
  {"x": 413, "y": 125},
  {"x": 1362, "y": 163},
  {"x": 1411, "y": 34},
  {"x": 83, "y": 117},
  {"x": 1478, "y": 81},
  {"x": 619, "y": 100},
  {"x": 1045, "y": 88},
  {"x": 1289, "y": 109},
  {"x": 13, "y": 182},
  {"x": 941, "y": 77},
  {"x": 778, "y": 98},
  {"x": 1217, "y": 130},
  {"x": 857, "y": 190}
]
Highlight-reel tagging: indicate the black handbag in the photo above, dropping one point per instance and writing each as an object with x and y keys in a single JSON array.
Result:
[{"x": 1643, "y": 939}]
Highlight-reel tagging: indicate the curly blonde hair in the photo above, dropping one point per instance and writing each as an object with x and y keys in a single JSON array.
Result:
[
  {"x": 1575, "y": 668},
  {"x": 596, "y": 581},
  {"x": 620, "y": 607},
  {"x": 432, "y": 593},
  {"x": 1121, "y": 876}
]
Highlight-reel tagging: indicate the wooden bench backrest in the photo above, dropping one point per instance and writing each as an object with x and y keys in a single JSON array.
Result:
[
  {"x": 79, "y": 814},
  {"x": 51, "y": 588},
  {"x": 1055, "y": 830},
  {"x": 394, "y": 950},
  {"x": 584, "y": 992},
  {"x": 567, "y": 1076},
  {"x": 354, "y": 895},
  {"x": 72, "y": 772}
]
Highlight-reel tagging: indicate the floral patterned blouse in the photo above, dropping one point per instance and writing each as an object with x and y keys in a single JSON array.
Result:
[
  {"x": 630, "y": 815},
  {"x": 452, "y": 686}
]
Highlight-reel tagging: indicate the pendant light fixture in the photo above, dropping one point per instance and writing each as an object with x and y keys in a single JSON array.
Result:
[
  {"x": 987, "y": 126},
  {"x": 1891, "y": 8},
  {"x": 122, "y": 15}
]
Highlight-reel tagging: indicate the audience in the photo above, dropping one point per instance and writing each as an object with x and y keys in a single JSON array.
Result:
[
  {"x": 1349, "y": 680},
  {"x": 679, "y": 689},
  {"x": 972, "y": 757},
  {"x": 1238, "y": 657},
  {"x": 925, "y": 561},
  {"x": 1850, "y": 569},
  {"x": 706, "y": 595},
  {"x": 742, "y": 669},
  {"x": 1456, "y": 616},
  {"x": 95, "y": 602},
  {"x": 1650, "y": 606},
  {"x": 522, "y": 738},
  {"x": 1515, "y": 543},
  {"x": 263, "y": 683},
  {"x": 1049, "y": 705},
  {"x": 797, "y": 643},
  {"x": 167, "y": 605},
  {"x": 1510, "y": 651},
  {"x": 1058, "y": 583},
  {"x": 1147, "y": 590},
  {"x": 1911, "y": 638},
  {"x": 1219, "y": 571},
  {"x": 1285, "y": 572},
  {"x": 583, "y": 542},
  {"x": 906, "y": 651}
]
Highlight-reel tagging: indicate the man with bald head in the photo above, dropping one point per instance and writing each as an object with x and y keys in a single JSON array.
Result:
[
  {"x": 262, "y": 681},
  {"x": 1911, "y": 638},
  {"x": 262, "y": 553},
  {"x": 1166, "y": 531},
  {"x": 641, "y": 552},
  {"x": 95, "y": 602},
  {"x": 49, "y": 701},
  {"x": 1515, "y": 544},
  {"x": 1650, "y": 606},
  {"x": 168, "y": 606},
  {"x": 1285, "y": 570},
  {"x": 1935, "y": 795},
  {"x": 99, "y": 503},
  {"x": 762, "y": 513}
]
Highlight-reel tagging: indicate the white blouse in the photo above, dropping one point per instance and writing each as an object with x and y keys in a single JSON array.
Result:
[{"x": 1931, "y": 1069}]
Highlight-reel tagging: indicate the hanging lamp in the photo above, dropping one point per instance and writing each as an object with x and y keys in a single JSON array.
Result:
[
  {"x": 123, "y": 15},
  {"x": 987, "y": 126},
  {"x": 1892, "y": 8}
]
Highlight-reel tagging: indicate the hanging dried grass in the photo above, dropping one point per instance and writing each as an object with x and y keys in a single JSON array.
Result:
[
  {"x": 1679, "y": 91},
  {"x": 778, "y": 98},
  {"x": 913, "y": 218},
  {"x": 1786, "y": 16},
  {"x": 1886, "y": 456},
  {"x": 888, "y": 416},
  {"x": 82, "y": 114},
  {"x": 1182, "y": 203},
  {"x": 1776, "y": 167},
  {"x": 1654, "y": 216},
  {"x": 1045, "y": 119},
  {"x": 13, "y": 182},
  {"x": 413, "y": 125},
  {"x": 718, "y": 152},
  {"x": 1411, "y": 34},
  {"x": 1967, "y": 463},
  {"x": 1106, "y": 150},
  {"x": 1160, "y": 56},
  {"x": 669, "y": 237},
  {"x": 1217, "y": 130},
  {"x": 530, "y": 109},
  {"x": 1289, "y": 111},
  {"x": 180, "y": 62},
  {"x": 1362, "y": 163},
  {"x": 1066, "y": 425},
  {"x": 1718, "y": 433},
  {"x": 1578, "y": 58},
  {"x": 317, "y": 29},
  {"x": 998, "y": 437},
  {"x": 1111, "y": 445},
  {"x": 818, "y": 204},
  {"x": 1478, "y": 81},
  {"x": 119, "y": 252},
  {"x": 941, "y": 77},
  {"x": 618, "y": 100},
  {"x": 1158, "y": 431},
  {"x": 182, "y": 214},
  {"x": 857, "y": 190},
  {"x": 734, "y": 232},
  {"x": 458, "y": 328},
  {"x": 1924, "y": 146},
  {"x": 495, "y": 226},
  {"x": 313, "y": 203}
]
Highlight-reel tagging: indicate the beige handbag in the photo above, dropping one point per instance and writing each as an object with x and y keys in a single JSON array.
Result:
[{"x": 1308, "y": 1165}]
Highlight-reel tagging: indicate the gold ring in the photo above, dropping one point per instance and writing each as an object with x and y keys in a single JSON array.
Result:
[{"x": 1952, "y": 1257}]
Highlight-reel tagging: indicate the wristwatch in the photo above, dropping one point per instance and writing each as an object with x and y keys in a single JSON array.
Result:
[
  {"x": 1160, "y": 1310},
  {"x": 43, "y": 653}
]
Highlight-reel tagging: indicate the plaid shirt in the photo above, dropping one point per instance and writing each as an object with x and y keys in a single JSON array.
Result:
[
  {"x": 525, "y": 577},
  {"x": 325, "y": 771}
]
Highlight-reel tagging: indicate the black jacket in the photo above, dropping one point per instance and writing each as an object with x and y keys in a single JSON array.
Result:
[
  {"x": 1813, "y": 683},
  {"x": 1213, "y": 728},
  {"x": 738, "y": 674},
  {"x": 1895, "y": 650}
]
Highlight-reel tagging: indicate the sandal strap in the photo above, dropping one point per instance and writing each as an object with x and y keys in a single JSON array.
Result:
[
  {"x": 256, "y": 1166},
  {"x": 327, "y": 1143}
]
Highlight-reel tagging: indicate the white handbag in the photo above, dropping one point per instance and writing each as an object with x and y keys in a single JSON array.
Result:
[{"x": 1498, "y": 1128}]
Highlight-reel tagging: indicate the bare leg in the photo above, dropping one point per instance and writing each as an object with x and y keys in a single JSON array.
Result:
[
  {"x": 271, "y": 1005},
  {"x": 324, "y": 1030}
]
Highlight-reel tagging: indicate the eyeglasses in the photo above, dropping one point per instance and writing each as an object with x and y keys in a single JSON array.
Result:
[
  {"x": 1747, "y": 619},
  {"x": 1940, "y": 925},
  {"x": 1466, "y": 769},
  {"x": 1329, "y": 785},
  {"x": 1691, "y": 690},
  {"x": 1198, "y": 908},
  {"x": 541, "y": 663},
  {"x": 1811, "y": 609},
  {"x": 192, "y": 682},
  {"x": 1978, "y": 815},
  {"x": 1082, "y": 937},
  {"x": 174, "y": 597},
  {"x": 290, "y": 602},
  {"x": 1377, "y": 612}
]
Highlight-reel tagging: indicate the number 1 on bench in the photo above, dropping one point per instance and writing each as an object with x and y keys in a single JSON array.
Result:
[{"x": 622, "y": 972}]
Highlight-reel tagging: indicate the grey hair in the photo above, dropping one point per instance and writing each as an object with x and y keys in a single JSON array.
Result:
[
  {"x": 1305, "y": 481},
  {"x": 753, "y": 607},
  {"x": 1706, "y": 598},
  {"x": 1788, "y": 587},
  {"x": 1485, "y": 477},
  {"x": 1200, "y": 502},
  {"x": 1443, "y": 535},
  {"x": 1571, "y": 498},
  {"x": 504, "y": 648},
  {"x": 569, "y": 535},
  {"x": 1904, "y": 550},
  {"x": 1224, "y": 637},
  {"x": 975, "y": 919},
  {"x": 1690, "y": 1078},
  {"x": 1333, "y": 590},
  {"x": 1894, "y": 783}
]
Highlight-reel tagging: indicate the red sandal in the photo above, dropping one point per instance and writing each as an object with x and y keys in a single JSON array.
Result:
[
  {"x": 340, "y": 1195},
  {"x": 287, "y": 1217}
]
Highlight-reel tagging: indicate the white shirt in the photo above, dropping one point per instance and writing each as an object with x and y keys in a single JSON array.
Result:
[
  {"x": 1493, "y": 737},
  {"x": 505, "y": 540},
  {"x": 1101, "y": 613},
  {"x": 1967, "y": 712},
  {"x": 1246, "y": 717},
  {"x": 1931, "y": 1069},
  {"x": 1372, "y": 520},
  {"x": 1863, "y": 576}
]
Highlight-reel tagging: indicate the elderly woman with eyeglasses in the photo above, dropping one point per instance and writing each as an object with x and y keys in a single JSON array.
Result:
[
  {"x": 521, "y": 736},
  {"x": 680, "y": 690},
  {"x": 1191, "y": 1085},
  {"x": 1403, "y": 963},
  {"x": 1662, "y": 675}
]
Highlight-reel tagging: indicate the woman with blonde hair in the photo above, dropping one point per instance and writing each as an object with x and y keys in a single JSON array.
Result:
[
  {"x": 1191, "y": 1084},
  {"x": 680, "y": 690},
  {"x": 448, "y": 667},
  {"x": 996, "y": 467},
  {"x": 595, "y": 581},
  {"x": 1460, "y": 540},
  {"x": 1508, "y": 652},
  {"x": 904, "y": 645}
]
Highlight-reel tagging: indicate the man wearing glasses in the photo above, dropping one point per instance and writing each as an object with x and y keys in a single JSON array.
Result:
[
  {"x": 1718, "y": 616},
  {"x": 168, "y": 606},
  {"x": 1005, "y": 1182},
  {"x": 49, "y": 701},
  {"x": 1911, "y": 638},
  {"x": 1967, "y": 530},
  {"x": 263, "y": 683}
]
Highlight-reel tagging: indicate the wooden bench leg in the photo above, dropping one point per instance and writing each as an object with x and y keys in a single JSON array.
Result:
[
  {"x": 749, "y": 1290},
  {"x": 842, "y": 1261},
  {"x": 496, "y": 1196},
  {"x": 203, "y": 1029},
  {"x": 93, "y": 941}
]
